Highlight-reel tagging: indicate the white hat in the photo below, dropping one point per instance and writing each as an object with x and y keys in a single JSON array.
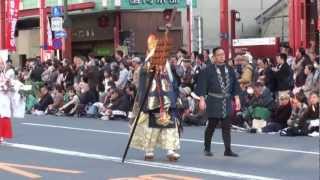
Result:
[
  {"x": 185, "y": 90},
  {"x": 136, "y": 59},
  {"x": 248, "y": 57}
]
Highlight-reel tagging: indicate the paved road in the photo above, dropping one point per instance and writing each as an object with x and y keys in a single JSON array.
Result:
[{"x": 89, "y": 149}]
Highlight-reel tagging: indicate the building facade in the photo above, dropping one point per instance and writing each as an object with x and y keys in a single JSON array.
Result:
[
  {"x": 209, "y": 10},
  {"x": 101, "y": 25}
]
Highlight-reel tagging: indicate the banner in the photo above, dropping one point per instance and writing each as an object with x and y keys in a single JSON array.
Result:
[
  {"x": 49, "y": 35},
  {"x": 12, "y": 9}
]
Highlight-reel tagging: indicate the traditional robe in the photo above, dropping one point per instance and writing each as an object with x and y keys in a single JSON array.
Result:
[{"x": 149, "y": 132}]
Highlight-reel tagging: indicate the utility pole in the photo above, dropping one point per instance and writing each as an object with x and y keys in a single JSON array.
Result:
[
  {"x": 67, "y": 24},
  {"x": 43, "y": 28},
  {"x": 318, "y": 11},
  {"x": 224, "y": 26}
]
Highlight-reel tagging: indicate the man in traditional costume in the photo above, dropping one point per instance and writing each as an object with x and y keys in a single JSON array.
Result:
[
  {"x": 217, "y": 88},
  {"x": 158, "y": 123},
  {"x": 11, "y": 102}
]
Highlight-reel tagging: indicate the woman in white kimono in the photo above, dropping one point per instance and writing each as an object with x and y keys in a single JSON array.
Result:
[
  {"x": 5, "y": 105},
  {"x": 11, "y": 102}
]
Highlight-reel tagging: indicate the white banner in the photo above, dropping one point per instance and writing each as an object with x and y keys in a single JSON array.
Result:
[
  {"x": 254, "y": 41},
  {"x": 4, "y": 54}
]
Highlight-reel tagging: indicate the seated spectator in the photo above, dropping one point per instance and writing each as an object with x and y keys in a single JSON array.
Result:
[
  {"x": 58, "y": 100},
  {"x": 190, "y": 113},
  {"x": 279, "y": 116},
  {"x": 260, "y": 104},
  {"x": 296, "y": 122},
  {"x": 116, "y": 107},
  {"x": 45, "y": 100},
  {"x": 130, "y": 93},
  {"x": 70, "y": 107},
  {"x": 310, "y": 120}
]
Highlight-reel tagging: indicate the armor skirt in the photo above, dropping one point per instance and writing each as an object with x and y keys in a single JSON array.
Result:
[{"x": 147, "y": 139}]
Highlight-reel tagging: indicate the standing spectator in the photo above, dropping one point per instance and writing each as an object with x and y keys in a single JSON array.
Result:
[
  {"x": 309, "y": 84},
  {"x": 187, "y": 73},
  {"x": 282, "y": 75},
  {"x": 200, "y": 65},
  {"x": 92, "y": 75},
  {"x": 181, "y": 55},
  {"x": 119, "y": 56},
  {"x": 136, "y": 63},
  {"x": 206, "y": 56},
  {"x": 286, "y": 50},
  {"x": 247, "y": 72},
  {"x": 123, "y": 76},
  {"x": 10, "y": 73},
  {"x": 78, "y": 70},
  {"x": 301, "y": 61},
  {"x": 50, "y": 75},
  {"x": 35, "y": 71}
]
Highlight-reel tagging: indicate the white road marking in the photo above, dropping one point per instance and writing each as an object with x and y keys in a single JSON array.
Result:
[
  {"x": 182, "y": 139},
  {"x": 139, "y": 162}
]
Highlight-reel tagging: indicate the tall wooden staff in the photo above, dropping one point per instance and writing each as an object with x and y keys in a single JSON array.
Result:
[{"x": 158, "y": 57}]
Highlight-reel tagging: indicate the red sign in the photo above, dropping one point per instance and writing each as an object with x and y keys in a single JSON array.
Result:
[
  {"x": 319, "y": 23},
  {"x": 12, "y": 9}
]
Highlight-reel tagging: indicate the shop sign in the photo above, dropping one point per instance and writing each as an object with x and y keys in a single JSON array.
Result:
[
  {"x": 103, "y": 51},
  {"x": 154, "y": 4},
  {"x": 56, "y": 24}
]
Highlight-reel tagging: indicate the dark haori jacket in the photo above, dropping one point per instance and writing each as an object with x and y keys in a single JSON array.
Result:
[
  {"x": 218, "y": 84},
  {"x": 282, "y": 78},
  {"x": 281, "y": 114},
  {"x": 167, "y": 93}
]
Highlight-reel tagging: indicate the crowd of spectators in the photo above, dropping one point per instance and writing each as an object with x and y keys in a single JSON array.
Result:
[{"x": 278, "y": 95}]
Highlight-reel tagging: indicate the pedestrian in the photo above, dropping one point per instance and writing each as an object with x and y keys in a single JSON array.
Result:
[{"x": 217, "y": 88}]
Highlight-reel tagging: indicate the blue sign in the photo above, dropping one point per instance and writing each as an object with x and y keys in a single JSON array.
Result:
[
  {"x": 60, "y": 34},
  {"x": 56, "y": 11},
  {"x": 57, "y": 43}
]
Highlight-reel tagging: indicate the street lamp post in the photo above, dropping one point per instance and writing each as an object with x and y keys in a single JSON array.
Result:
[{"x": 235, "y": 17}]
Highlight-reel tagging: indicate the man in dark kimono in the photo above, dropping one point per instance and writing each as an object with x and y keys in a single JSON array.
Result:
[{"x": 217, "y": 88}]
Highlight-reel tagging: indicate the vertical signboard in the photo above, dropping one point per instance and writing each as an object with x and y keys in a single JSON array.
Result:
[{"x": 12, "y": 9}]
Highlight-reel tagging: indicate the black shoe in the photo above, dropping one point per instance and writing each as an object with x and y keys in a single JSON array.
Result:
[
  {"x": 207, "y": 153},
  {"x": 252, "y": 130},
  {"x": 230, "y": 153}
]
